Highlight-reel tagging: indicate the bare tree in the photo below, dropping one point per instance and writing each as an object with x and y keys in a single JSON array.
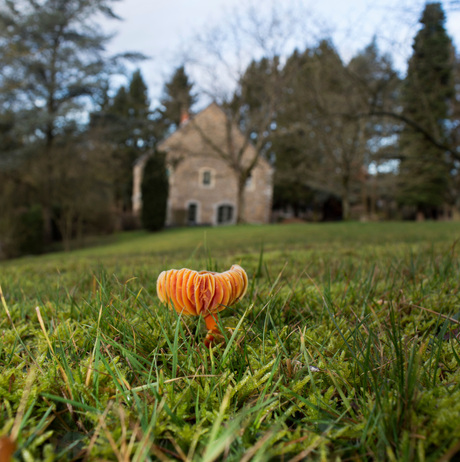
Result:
[
  {"x": 238, "y": 66},
  {"x": 321, "y": 140},
  {"x": 54, "y": 65}
]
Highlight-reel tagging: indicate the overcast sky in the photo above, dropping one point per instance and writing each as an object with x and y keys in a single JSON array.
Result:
[{"x": 161, "y": 28}]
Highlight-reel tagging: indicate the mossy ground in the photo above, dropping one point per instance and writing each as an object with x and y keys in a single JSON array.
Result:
[{"x": 346, "y": 347}]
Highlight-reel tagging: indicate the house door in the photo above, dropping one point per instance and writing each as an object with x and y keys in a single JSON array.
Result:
[
  {"x": 224, "y": 214},
  {"x": 192, "y": 213}
]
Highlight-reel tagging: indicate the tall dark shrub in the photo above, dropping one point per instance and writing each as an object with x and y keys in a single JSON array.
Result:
[{"x": 154, "y": 193}]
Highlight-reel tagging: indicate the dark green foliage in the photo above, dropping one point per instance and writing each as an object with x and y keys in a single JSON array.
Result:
[
  {"x": 120, "y": 104},
  {"x": 54, "y": 66},
  {"x": 321, "y": 139},
  {"x": 10, "y": 141},
  {"x": 128, "y": 112},
  {"x": 126, "y": 124},
  {"x": 138, "y": 97},
  {"x": 56, "y": 48},
  {"x": 30, "y": 231},
  {"x": 21, "y": 228},
  {"x": 430, "y": 69},
  {"x": 154, "y": 193},
  {"x": 326, "y": 135},
  {"x": 253, "y": 103},
  {"x": 427, "y": 97}
]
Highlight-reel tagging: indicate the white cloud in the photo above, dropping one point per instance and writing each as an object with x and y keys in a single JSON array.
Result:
[{"x": 162, "y": 28}]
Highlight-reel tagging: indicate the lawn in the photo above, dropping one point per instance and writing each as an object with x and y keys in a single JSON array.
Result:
[{"x": 345, "y": 347}]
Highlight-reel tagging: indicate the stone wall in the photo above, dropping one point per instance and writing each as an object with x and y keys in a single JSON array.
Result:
[
  {"x": 186, "y": 187},
  {"x": 198, "y": 147}
]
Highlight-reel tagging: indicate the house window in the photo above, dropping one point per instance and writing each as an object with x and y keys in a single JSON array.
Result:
[
  {"x": 192, "y": 213},
  {"x": 207, "y": 177},
  {"x": 224, "y": 214}
]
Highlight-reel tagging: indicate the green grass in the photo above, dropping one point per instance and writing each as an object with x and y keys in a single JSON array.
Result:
[{"x": 345, "y": 347}]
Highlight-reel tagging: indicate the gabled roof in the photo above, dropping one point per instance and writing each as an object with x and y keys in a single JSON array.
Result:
[
  {"x": 206, "y": 133},
  {"x": 182, "y": 131},
  {"x": 194, "y": 120}
]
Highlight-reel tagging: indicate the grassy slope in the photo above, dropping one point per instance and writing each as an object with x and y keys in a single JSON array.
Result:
[{"x": 110, "y": 374}]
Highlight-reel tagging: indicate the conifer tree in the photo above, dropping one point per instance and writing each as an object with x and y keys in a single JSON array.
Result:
[
  {"x": 138, "y": 97},
  {"x": 320, "y": 141},
  {"x": 126, "y": 124},
  {"x": 427, "y": 96},
  {"x": 178, "y": 98},
  {"x": 120, "y": 104},
  {"x": 53, "y": 61}
]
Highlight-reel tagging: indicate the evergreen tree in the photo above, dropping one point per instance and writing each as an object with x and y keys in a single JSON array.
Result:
[
  {"x": 154, "y": 193},
  {"x": 253, "y": 102},
  {"x": 323, "y": 141},
  {"x": 376, "y": 82},
  {"x": 120, "y": 104},
  {"x": 319, "y": 141},
  {"x": 252, "y": 109},
  {"x": 128, "y": 115},
  {"x": 455, "y": 160},
  {"x": 427, "y": 97},
  {"x": 178, "y": 98},
  {"x": 126, "y": 124},
  {"x": 138, "y": 97},
  {"x": 52, "y": 56}
]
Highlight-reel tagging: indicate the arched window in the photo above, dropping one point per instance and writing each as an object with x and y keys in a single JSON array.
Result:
[{"x": 224, "y": 214}]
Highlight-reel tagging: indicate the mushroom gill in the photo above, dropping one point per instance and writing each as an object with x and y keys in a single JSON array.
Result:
[{"x": 202, "y": 293}]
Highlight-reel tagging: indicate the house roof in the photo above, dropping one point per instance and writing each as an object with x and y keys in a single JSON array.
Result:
[
  {"x": 185, "y": 127},
  {"x": 211, "y": 119}
]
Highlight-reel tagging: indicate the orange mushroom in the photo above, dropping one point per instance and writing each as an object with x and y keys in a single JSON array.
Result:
[{"x": 202, "y": 293}]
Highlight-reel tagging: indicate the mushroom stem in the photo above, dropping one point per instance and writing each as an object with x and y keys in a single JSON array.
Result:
[
  {"x": 203, "y": 293},
  {"x": 211, "y": 324}
]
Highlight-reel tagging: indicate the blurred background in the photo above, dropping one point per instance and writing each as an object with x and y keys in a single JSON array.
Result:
[{"x": 355, "y": 106}]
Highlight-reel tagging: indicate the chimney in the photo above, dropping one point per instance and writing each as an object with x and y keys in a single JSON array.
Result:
[{"x": 184, "y": 117}]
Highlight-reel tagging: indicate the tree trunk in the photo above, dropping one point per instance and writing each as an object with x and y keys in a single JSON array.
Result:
[
  {"x": 345, "y": 199},
  {"x": 345, "y": 207},
  {"x": 241, "y": 182},
  {"x": 420, "y": 216},
  {"x": 47, "y": 198}
]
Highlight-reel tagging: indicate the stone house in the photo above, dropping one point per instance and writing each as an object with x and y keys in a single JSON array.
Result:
[{"x": 203, "y": 188}]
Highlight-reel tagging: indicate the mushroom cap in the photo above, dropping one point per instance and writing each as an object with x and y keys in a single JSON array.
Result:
[{"x": 204, "y": 292}]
